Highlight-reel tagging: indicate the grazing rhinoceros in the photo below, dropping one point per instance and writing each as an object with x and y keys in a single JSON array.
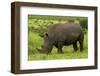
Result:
[{"x": 61, "y": 35}]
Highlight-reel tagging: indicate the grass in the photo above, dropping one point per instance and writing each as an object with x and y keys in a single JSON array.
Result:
[
  {"x": 68, "y": 50},
  {"x": 53, "y": 56}
]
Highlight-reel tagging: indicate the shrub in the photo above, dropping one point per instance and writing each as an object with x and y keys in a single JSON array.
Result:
[
  {"x": 84, "y": 23},
  {"x": 34, "y": 42}
]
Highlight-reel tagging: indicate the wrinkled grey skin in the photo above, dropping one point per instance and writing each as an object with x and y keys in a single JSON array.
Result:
[{"x": 61, "y": 35}]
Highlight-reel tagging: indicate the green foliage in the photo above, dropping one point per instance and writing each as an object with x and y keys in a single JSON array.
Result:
[
  {"x": 84, "y": 23},
  {"x": 38, "y": 26},
  {"x": 34, "y": 42}
]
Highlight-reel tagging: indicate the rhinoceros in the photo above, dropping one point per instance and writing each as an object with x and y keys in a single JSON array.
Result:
[{"x": 62, "y": 34}]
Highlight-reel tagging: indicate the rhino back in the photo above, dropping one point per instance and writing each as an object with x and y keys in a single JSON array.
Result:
[{"x": 61, "y": 32}]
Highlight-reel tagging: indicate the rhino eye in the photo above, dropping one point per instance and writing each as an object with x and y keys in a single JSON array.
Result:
[{"x": 46, "y": 37}]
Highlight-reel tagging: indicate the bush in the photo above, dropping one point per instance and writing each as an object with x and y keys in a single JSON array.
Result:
[
  {"x": 84, "y": 23},
  {"x": 34, "y": 42}
]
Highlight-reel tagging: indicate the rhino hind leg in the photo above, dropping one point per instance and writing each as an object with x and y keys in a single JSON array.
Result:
[
  {"x": 81, "y": 40},
  {"x": 75, "y": 46},
  {"x": 81, "y": 45}
]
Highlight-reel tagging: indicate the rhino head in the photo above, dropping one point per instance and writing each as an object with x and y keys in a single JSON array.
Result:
[{"x": 47, "y": 46}]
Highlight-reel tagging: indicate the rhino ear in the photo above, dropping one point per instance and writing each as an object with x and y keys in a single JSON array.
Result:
[{"x": 46, "y": 34}]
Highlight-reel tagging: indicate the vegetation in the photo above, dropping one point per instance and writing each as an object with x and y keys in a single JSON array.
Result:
[{"x": 37, "y": 27}]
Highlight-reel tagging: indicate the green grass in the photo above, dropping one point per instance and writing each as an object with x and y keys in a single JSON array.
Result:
[{"x": 53, "y": 56}]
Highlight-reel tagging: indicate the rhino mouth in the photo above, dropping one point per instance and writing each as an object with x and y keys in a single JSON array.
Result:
[{"x": 40, "y": 50}]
